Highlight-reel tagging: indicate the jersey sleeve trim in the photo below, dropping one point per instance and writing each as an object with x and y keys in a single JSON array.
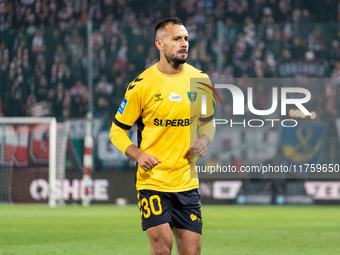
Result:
[
  {"x": 207, "y": 119},
  {"x": 121, "y": 125}
]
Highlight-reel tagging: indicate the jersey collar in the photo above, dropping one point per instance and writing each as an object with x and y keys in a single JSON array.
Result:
[{"x": 168, "y": 75}]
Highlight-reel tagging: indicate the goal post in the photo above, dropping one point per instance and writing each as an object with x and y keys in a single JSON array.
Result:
[
  {"x": 52, "y": 176},
  {"x": 13, "y": 135}
]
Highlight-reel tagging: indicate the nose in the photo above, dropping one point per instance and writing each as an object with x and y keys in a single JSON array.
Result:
[{"x": 184, "y": 43}]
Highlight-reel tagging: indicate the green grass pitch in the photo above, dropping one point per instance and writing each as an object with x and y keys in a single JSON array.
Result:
[{"x": 235, "y": 230}]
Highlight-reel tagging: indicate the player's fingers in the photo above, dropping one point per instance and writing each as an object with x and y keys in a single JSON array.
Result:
[
  {"x": 202, "y": 153},
  {"x": 200, "y": 150},
  {"x": 203, "y": 142},
  {"x": 198, "y": 144},
  {"x": 154, "y": 161},
  {"x": 150, "y": 163},
  {"x": 145, "y": 166},
  {"x": 193, "y": 145},
  {"x": 145, "y": 161}
]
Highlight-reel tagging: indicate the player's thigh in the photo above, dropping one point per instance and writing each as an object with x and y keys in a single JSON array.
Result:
[
  {"x": 156, "y": 215},
  {"x": 155, "y": 208},
  {"x": 187, "y": 211},
  {"x": 187, "y": 242},
  {"x": 160, "y": 238}
]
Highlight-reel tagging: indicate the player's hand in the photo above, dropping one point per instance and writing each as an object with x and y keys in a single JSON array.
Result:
[
  {"x": 147, "y": 161},
  {"x": 199, "y": 147}
]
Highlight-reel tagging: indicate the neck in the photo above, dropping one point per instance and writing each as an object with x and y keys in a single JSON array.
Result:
[{"x": 169, "y": 68}]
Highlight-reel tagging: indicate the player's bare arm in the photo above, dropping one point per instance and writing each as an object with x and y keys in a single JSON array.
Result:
[
  {"x": 200, "y": 145},
  {"x": 145, "y": 160}
]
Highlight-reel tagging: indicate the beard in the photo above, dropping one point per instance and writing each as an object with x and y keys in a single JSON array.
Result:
[{"x": 175, "y": 59}]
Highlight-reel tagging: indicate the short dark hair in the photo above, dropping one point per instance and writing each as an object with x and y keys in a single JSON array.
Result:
[{"x": 162, "y": 23}]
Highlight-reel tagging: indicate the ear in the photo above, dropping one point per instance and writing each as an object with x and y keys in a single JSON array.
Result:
[{"x": 159, "y": 44}]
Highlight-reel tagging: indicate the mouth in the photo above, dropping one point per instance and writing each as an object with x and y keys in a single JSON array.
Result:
[{"x": 183, "y": 52}]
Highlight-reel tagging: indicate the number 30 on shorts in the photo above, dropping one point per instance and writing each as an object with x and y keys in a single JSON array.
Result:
[{"x": 148, "y": 207}]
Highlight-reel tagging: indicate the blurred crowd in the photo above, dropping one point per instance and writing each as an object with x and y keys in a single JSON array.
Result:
[{"x": 43, "y": 57}]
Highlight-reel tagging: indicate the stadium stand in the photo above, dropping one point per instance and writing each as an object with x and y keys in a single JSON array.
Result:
[{"x": 43, "y": 56}]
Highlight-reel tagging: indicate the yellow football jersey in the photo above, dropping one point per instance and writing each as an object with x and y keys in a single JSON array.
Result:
[{"x": 167, "y": 111}]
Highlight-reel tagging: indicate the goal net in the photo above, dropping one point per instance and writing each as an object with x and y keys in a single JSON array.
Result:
[{"x": 32, "y": 151}]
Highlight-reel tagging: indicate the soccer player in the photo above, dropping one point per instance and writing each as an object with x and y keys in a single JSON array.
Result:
[{"x": 167, "y": 114}]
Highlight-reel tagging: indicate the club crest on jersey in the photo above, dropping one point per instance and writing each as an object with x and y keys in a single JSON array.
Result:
[
  {"x": 175, "y": 97},
  {"x": 192, "y": 96}
]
